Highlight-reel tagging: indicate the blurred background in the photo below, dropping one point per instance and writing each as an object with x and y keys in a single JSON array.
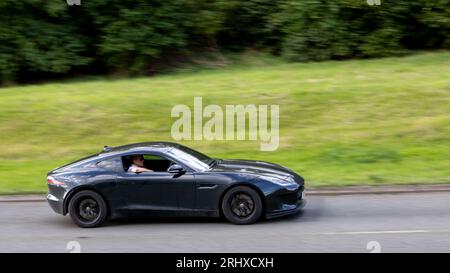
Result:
[{"x": 363, "y": 86}]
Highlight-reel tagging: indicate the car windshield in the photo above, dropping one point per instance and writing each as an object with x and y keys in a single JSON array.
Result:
[{"x": 192, "y": 158}]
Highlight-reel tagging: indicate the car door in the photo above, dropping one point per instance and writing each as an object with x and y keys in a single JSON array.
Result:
[{"x": 158, "y": 191}]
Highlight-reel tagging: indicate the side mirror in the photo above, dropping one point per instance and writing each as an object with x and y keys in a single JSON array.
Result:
[{"x": 175, "y": 168}]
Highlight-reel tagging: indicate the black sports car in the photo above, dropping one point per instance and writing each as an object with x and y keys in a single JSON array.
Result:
[{"x": 183, "y": 182}]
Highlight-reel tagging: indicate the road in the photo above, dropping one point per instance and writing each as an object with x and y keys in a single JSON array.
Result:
[{"x": 347, "y": 223}]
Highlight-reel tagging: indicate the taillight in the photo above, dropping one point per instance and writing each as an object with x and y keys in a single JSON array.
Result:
[{"x": 53, "y": 181}]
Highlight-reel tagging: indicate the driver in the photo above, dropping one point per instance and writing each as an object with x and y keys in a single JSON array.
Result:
[{"x": 138, "y": 165}]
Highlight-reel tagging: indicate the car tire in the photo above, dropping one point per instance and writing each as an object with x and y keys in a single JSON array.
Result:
[
  {"x": 242, "y": 205},
  {"x": 88, "y": 209}
]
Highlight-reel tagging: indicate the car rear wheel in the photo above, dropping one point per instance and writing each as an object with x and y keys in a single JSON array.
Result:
[
  {"x": 88, "y": 209},
  {"x": 242, "y": 205}
]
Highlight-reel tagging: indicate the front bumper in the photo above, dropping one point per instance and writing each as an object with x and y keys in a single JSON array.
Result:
[
  {"x": 286, "y": 205},
  {"x": 55, "y": 203}
]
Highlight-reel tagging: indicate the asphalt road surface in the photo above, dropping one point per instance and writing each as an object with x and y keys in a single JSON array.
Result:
[{"x": 349, "y": 223}]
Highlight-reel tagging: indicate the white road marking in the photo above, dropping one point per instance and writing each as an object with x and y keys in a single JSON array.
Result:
[{"x": 376, "y": 232}]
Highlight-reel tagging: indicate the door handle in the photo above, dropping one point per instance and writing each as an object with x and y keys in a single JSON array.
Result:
[{"x": 207, "y": 186}]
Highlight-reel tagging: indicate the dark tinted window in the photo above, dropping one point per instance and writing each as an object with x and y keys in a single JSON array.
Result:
[
  {"x": 113, "y": 164},
  {"x": 81, "y": 163}
]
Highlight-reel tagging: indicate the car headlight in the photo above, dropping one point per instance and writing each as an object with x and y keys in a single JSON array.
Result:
[{"x": 287, "y": 181}]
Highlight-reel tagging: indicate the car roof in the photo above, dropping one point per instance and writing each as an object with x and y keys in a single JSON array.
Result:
[
  {"x": 121, "y": 150},
  {"x": 142, "y": 146}
]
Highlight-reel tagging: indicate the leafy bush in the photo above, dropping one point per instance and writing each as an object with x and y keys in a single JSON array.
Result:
[
  {"x": 49, "y": 38},
  {"x": 36, "y": 37},
  {"x": 320, "y": 29}
]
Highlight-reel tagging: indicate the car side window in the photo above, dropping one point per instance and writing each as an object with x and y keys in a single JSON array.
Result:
[
  {"x": 153, "y": 162},
  {"x": 156, "y": 163},
  {"x": 112, "y": 164}
]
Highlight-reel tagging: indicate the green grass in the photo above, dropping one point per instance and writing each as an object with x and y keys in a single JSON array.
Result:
[{"x": 356, "y": 122}]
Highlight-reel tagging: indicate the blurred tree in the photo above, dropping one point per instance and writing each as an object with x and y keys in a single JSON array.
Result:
[
  {"x": 46, "y": 38},
  {"x": 313, "y": 30},
  {"x": 320, "y": 30},
  {"x": 37, "y": 36},
  {"x": 135, "y": 33},
  {"x": 245, "y": 24},
  {"x": 207, "y": 19}
]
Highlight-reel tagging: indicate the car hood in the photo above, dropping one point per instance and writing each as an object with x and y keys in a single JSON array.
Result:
[{"x": 257, "y": 168}]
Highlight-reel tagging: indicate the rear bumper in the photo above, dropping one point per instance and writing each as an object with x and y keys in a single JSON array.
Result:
[{"x": 55, "y": 203}]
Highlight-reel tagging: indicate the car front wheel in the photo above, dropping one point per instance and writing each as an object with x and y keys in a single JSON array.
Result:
[
  {"x": 88, "y": 209},
  {"x": 242, "y": 205}
]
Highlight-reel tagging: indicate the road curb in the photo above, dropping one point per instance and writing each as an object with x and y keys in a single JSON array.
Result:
[
  {"x": 322, "y": 191},
  {"x": 388, "y": 189},
  {"x": 23, "y": 198}
]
